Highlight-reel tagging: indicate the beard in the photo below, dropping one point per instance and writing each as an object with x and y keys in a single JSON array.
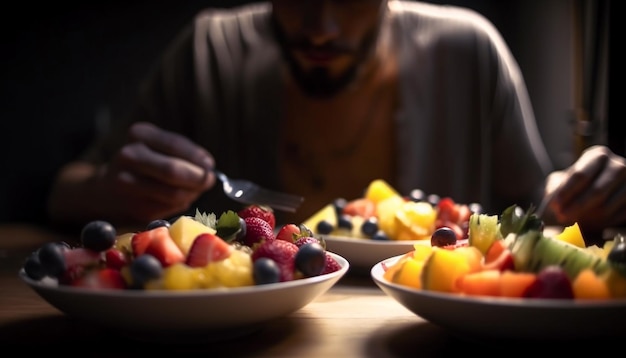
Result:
[{"x": 318, "y": 82}]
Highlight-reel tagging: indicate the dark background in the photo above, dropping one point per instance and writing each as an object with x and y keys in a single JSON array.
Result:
[{"x": 65, "y": 67}]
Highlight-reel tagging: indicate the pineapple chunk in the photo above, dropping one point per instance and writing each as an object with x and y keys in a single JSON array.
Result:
[{"x": 185, "y": 229}]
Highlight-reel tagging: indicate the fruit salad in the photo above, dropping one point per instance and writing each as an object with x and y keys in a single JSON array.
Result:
[
  {"x": 383, "y": 214},
  {"x": 190, "y": 252},
  {"x": 509, "y": 256}
]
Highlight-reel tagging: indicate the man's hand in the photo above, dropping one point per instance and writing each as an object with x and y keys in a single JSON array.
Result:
[
  {"x": 591, "y": 192},
  {"x": 155, "y": 175}
]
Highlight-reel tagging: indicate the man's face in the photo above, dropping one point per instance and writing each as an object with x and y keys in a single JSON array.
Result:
[{"x": 326, "y": 41}]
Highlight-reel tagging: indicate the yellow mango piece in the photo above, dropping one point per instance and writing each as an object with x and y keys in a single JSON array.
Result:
[
  {"x": 379, "y": 190},
  {"x": 185, "y": 229},
  {"x": 386, "y": 212},
  {"x": 422, "y": 251},
  {"x": 391, "y": 270},
  {"x": 572, "y": 235},
  {"x": 443, "y": 269},
  {"x": 415, "y": 221},
  {"x": 472, "y": 255},
  {"x": 409, "y": 274}
]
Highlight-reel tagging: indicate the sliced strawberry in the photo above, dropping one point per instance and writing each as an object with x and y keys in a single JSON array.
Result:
[
  {"x": 207, "y": 248},
  {"x": 105, "y": 278},
  {"x": 288, "y": 232},
  {"x": 164, "y": 248},
  {"x": 140, "y": 241},
  {"x": 260, "y": 211},
  {"x": 363, "y": 207}
]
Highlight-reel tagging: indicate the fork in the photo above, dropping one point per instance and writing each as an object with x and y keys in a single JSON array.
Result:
[{"x": 247, "y": 192}]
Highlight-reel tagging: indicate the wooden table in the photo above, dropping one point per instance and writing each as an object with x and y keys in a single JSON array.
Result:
[{"x": 353, "y": 319}]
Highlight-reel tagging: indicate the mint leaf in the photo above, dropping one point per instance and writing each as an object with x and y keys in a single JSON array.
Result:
[{"x": 228, "y": 226}]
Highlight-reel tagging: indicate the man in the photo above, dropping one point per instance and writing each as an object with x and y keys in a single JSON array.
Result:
[{"x": 318, "y": 98}]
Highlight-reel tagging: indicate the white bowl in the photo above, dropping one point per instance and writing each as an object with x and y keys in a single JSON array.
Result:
[
  {"x": 211, "y": 313},
  {"x": 509, "y": 318},
  {"x": 363, "y": 253}
]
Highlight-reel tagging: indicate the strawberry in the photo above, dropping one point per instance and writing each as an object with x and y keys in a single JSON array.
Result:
[
  {"x": 301, "y": 241},
  {"x": 331, "y": 265},
  {"x": 163, "y": 247},
  {"x": 71, "y": 274},
  {"x": 282, "y": 252},
  {"x": 447, "y": 210},
  {"x": 105, "y": 278},
  {"x": 140, "y": 241},
  {"x": 207, "y": 248},
  {"x": 363, "y": 207},
  {"x": 81, "y": 257},
  {"x": 288, "y": 232},
  {"x": 257, "y": 230},
  {"x": 260, "y": 211},
  {"x": 115, "y": 258}
]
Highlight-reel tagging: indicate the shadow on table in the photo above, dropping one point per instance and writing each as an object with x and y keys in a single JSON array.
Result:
[
  {"x": 69, "y": 335},
  {"x": 428, "y": 340}
]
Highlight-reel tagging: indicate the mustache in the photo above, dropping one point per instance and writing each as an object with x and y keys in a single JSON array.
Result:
[{"x": 305, "y": 45}]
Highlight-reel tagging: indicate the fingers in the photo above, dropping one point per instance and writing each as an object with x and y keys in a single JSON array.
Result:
[
  {"x": 155, "y": 192},
  {"x": 580, "y": 180},
  {"x": 167, "y": 156},
  {"x": 172, "y": 144},
  {"x": 142, "y": 161},
  {"x": 129, "y": 197},
  {"x": 593, "y": 191}
]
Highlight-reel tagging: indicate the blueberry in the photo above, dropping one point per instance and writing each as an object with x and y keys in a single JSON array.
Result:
[
  {"x": 443, "y": 236},
  {"x": 380, "y": 236},
  {"x": 310, "y": 259},
  {"x": 266, "y": 271},
  {"x": 143, "y": 269},
  {"x": 98, "y": 235},
  {"x": 158, "y": 223},
  {"x": 324, "y": 227},
  {"x": 370, "y": 226},
  {"x": 344, "y": 222},
  {"x": 52, "y": 258},
  {"x": 33, "y": 267},
  {"x": 339, "y": 204}
]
